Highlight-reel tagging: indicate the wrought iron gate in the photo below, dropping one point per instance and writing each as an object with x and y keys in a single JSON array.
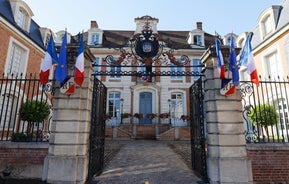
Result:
[
  {"x": 198, "y": 141},
  {"x": 97, "y": 129}
]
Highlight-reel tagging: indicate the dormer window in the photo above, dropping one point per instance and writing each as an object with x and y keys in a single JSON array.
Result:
[
  {"x": 94, "y": 39},
  {"x": 198, "y": 40},
  {"x": 21, "y": 18},
  {"x": 267, "y": 25},
  {"x": 94, "y": 34},
  {"x": 268, "y": 20},
  {"x": 22, "y": 14}
]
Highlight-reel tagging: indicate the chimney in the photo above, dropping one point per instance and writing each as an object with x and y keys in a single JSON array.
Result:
[
  {"x": 93, "y": 24},
  {"x": 199, "y": 25}
]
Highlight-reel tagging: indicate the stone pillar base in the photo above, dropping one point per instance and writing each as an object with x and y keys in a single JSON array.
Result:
[
  {"x": 229, "y": 170},
  {"x": 65, "y": 169}
]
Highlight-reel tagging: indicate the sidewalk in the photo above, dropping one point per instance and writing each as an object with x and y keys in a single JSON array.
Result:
[{"x": 146, "y": 162}]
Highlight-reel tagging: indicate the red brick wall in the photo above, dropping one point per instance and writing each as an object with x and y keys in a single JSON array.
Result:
[
  {"x": 269, "y": 163},
  {"x": 184, "y": 133},
  {"x": 11, "y": 156},
  {"x": 35, "y": 55}
]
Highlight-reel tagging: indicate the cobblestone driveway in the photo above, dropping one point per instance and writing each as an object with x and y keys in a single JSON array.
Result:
[{"x": 144, "y": 161}]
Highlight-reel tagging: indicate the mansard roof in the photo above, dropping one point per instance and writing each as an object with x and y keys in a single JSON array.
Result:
[
  {"x": 173, "y": 39},
  {"x": 280, "y": 15},
  {"x": 34, "y": 32}
]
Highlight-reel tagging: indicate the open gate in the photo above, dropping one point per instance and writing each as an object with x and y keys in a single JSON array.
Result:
[
  {"x": 97, "y": 129},
  {"x": 197, "y": 123}
]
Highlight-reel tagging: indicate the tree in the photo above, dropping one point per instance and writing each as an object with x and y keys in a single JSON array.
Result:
[
  {"x": 34, "y": 111},
  {"x": 264, "y": 115}
]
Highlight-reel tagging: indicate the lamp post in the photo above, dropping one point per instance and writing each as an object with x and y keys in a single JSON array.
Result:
[
  {"x": 121, "y": 110},
  {"x": 170, "y": 120}
]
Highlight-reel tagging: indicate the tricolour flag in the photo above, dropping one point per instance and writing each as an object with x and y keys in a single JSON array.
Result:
[
  {"x": 227, "y": 87},
  {"x": 49, "y": 58},
  {"x": 247, "y": 59},
  {"x": 68, "y": 86},
  {"x": 233, "y": 67},
  {"x": 221, "y": 65},
  {"x": 79, "y": 64},
  {"x": 60, "y": 72}
]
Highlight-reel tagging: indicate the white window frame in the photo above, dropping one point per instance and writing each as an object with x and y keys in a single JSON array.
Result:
[
  {"x": 13, "y": 43},
  {"x": 273, "y": 68},
  {"x": 176, "y": 69},
  {"x": 22, "y": 18}
]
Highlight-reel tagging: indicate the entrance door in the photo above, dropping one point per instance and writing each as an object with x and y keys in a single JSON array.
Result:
[{"x": 145, "y": 106}]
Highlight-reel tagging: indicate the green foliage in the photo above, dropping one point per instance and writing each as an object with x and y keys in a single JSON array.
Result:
[
  {"x": 18, "y": 137},
  {"x": 34, "y": 111},
  {"x": 264, "y": 115}
]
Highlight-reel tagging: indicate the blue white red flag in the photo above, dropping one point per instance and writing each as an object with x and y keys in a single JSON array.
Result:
[
  {"x": 247, "y": 60},
  {"x": 221, "y": 66},
  {"x": 79, "y": 64},
  {"x": 68, "y": 86},
  {"x": 49, "y": 58}
]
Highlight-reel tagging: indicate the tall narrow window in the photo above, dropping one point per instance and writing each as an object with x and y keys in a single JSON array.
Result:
[
  {"x": 177, "y": 109},
  {"x": 21, "y": 19},
  {"x": 15, "y": 63},
  {"x": 176, "y": 71},
  {"x": 198, "y": 40},
  {"x": 7, "y": 111},
  {"x": 115, "y": 71},
  {"x": 196, "y": 69},
  {"x": 95, "y": 65},
  {"x": 114, "y": 104},
  {"x": 267, "y": 25},
  {"x": 273, "y": 66}
]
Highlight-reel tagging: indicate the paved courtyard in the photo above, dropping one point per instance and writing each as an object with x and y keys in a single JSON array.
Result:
[{"x": 148, "y": 162}]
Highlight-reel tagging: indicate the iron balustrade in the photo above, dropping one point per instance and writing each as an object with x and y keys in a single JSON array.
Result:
[
  {"x": 265, "y": 110},
  {"x": 15, "y": 91}
]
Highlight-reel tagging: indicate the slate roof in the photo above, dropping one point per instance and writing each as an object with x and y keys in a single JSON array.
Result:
[
  {"x": 34, "y": 34},
  {"x": 281, "y": 16},
  {"x": 173, "y": 39}
]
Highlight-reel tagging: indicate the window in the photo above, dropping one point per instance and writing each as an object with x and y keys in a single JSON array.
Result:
[
  {"x": 21, "y": 19},
  {"x": 114, "y": 104},
  {"x": 96, "y": 62},
  {"x": 198, "y": 40},
  {"x": 177, "y": 109},
  {"x": 176, "y": 71},
  {"x": 281, "y": 108},
  {"x": 195, "y": 68},
  {"x": 7, "y": 110},
  {"x": 16, "y": 59},
  {"x": 273, "y": 66},
  {"x": 95, "y": 39},
  {"x": 267, "y": 25},
  {"x": 114, "y": 71}
]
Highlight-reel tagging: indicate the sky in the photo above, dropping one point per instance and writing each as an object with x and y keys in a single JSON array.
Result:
[{"x": 221, "y": 16}]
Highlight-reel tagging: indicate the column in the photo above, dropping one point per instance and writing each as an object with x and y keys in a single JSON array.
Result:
[
  {"x": 68, "y": 156},
  {"x": 227, "y": 160}
]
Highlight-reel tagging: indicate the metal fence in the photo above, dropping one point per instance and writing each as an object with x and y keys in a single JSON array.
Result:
[
  {"x": 265, "y": 110},
  {"x": 25, "y": 108}
]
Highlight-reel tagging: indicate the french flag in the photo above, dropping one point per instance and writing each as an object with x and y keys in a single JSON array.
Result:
[
  {"x": 247, "y": 60},
  {"x": 79, "y": 64},
  {"x": 49, "y": 58},
  {"x": 221, "y": 65}
]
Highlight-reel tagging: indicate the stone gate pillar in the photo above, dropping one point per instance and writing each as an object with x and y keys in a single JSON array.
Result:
[
  {"x": 227, "y": 160},
  {"x": 67, "y": 159}
]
